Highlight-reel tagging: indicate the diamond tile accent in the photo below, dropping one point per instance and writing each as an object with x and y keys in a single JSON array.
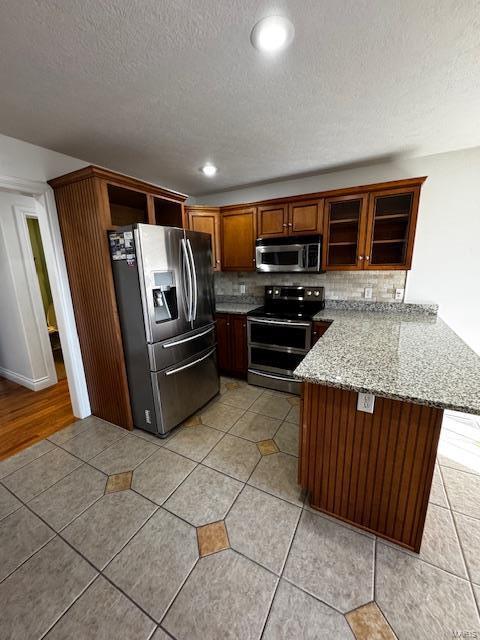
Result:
[
  {"x": 368, "y": 623},
  {"x": 119, "y": 482},
  {"x": 267, "y": 447},
  {"x": 212, "y": 538},
  {"x": 193, "y": 421}
]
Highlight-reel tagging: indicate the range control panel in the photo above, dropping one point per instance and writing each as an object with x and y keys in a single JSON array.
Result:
[{"x": 294, "y": 293}]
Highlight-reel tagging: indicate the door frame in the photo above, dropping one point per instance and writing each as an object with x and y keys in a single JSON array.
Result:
[{"x": 46, "y": 212}]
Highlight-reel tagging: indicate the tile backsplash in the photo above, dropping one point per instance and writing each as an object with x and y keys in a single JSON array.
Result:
[{"x": 339, "y": 285}]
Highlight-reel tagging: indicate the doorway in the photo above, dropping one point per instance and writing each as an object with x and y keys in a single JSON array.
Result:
[
  {"x": 38, "y": 255},
  {"x": 42, "y": 385}
]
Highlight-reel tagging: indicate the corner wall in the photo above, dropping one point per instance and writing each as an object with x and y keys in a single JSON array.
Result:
[{"x": 446, "y": 258}]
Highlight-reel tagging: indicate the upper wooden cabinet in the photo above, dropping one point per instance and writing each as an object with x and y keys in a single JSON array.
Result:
[
  {"x": 238, "y": 233},
  {"x": 290, "y": 218},
  {"x": 272, "y": 220},
  {"x": 90, "y": 202},
  {"x": 392, "y": 218},
  {"x": 305, "y": 217},
  {"x": 344, "y": 232},
  {"x": 207, "y": 220},
  {"x": 371, "y": 231}
]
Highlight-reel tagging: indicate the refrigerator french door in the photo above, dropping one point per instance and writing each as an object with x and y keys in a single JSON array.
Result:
[{"x": 164, "y": 287}]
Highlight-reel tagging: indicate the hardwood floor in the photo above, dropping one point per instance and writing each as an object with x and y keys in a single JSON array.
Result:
[{"x": 26, "y": 417}]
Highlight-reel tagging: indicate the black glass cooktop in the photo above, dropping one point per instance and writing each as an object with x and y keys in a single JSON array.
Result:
[{"x": 287, "y": 312}]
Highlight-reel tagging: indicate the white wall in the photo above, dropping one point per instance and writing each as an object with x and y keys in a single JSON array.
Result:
[
  {"x": 27, "y": 161},
  {"x": 446, "y": 259}
]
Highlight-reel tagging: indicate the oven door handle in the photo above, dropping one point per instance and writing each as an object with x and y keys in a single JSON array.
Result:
[
  {"x": 270, "y": 375},
  {"x": 281, "y": 322}
]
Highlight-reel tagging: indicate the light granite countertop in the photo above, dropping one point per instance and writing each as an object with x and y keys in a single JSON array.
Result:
[
  {"x": 405, "y": 355},
  {"x": 234, "y": 307}
]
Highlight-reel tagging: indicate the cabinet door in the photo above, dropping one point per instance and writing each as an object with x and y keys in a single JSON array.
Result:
[
  {"x": 392, "y": 218},
  {"x": 272, "y": 221},
  {"x": 344, "y": 232},
  {"x": 238, "y": 344},
  {"x": 305, "y": 217},
  {"x": 238, "y": 239},
  {"x": 223, "y": 341},
  {"x": 318, "y": 329},
  {"x": 207, "y": 221}
]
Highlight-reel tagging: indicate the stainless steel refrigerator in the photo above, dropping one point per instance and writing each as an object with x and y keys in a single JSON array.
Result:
[{"x": 165, "y": 297}]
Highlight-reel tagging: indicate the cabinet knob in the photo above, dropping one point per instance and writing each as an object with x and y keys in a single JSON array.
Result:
[
  {"x": 367, "y": 257},
  {"x": 290, "y": 224},
  {"x": 218, "y": 261},
  {"x": 253, "y": 261},
  {"x": 360, "y": 257},
  {"x": 284, "y": 225}
]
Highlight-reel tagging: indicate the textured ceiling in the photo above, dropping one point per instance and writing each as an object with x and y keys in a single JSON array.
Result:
[{"x": 154, "y": 88}]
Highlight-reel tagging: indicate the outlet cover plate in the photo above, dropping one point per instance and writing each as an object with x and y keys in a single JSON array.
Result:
[
  {"x": 366, "y": 402},
  {"x": 368, "y": 293}
]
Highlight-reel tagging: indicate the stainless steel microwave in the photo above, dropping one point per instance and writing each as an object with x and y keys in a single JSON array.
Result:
[{"x": 289, "y": 254}]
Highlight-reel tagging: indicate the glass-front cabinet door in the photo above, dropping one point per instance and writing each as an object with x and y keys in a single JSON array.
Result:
[
  {"x": 391, "y": 227},
  {"x": 344, "y": 232}
]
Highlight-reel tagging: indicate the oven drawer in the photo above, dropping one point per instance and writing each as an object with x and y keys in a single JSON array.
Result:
[{"x": 270, "y": 359}]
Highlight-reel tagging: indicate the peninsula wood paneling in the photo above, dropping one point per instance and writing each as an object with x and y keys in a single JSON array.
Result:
[
  {"x": 372, "y": 470},
  {"x": 84, "y": 221}
]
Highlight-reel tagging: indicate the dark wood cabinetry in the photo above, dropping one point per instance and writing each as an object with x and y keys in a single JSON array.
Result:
[
  {"x": 207, "y": 220},
  {"x": 238, "y": 233},
  {"x": 232, "y": 344},
  {"x": 318, "y": 329},
  {"x": 290, "y": 218},
  {"x": 90, "y": 202}
]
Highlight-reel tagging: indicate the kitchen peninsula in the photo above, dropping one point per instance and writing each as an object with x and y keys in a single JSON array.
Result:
[{"x": 375, "y": 469}]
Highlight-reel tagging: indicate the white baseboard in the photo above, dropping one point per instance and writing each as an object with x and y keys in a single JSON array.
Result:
[
  {"x": 465, "y": 418},
  {"x": 30, "y": 383}
]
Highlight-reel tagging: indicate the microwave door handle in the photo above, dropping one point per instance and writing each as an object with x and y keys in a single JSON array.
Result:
[
  {"x": 304, "y": 256},
  {"x": 188, "y": 277},
  {"x": 194, "y": 278}
]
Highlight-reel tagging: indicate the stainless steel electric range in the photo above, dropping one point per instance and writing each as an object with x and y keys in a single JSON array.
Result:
[{"x": 280, "y": 334}]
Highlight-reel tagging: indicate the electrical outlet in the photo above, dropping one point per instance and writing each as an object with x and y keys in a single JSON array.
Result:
[
  {"x": 242, "y": 288},
  {"x": 366, "y": 402},
  {"x": 399, "y": 293},
  {"x": 368, "y": 292}
]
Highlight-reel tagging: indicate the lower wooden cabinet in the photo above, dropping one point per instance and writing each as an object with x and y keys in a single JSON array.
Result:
[
  {"x": 318, "y": 329},
  {"x": 232, "y": 344}
]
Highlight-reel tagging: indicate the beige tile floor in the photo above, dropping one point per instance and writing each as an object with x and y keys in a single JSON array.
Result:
[{"x": 205, "y": 535}]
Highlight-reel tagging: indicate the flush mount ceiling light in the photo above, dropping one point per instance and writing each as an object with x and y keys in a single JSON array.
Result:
[
  {"x": 272, "y": 34},
  {"x": 209, "y": 170}
]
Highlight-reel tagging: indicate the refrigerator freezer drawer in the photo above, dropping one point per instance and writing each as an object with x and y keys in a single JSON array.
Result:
[
  {"x": 167, "y": 353},
  {"x": 184, "y": 388}
]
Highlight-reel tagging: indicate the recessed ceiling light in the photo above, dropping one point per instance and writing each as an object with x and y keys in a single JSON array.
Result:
[
  {"x": 209, "y": 170},
  {"x": 272, "y": 34}
]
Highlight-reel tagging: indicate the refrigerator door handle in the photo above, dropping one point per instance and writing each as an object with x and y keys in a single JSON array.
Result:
[
  {"x": 188, "y": 273},
  {"x": 192, "y": 364},
  {"x": 194, "y": 273}
]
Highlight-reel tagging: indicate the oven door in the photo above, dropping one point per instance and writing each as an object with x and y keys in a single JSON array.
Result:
[{"x": 277, "y": 345}]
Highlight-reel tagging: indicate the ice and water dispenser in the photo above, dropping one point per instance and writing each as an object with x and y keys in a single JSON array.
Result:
[{"x": 164, "y": 296}]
